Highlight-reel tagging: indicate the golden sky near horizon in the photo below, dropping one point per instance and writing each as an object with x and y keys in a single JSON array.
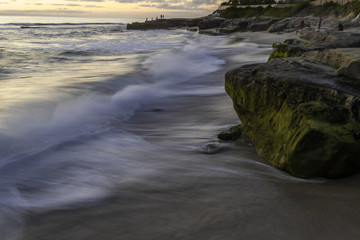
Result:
[{"x": 108, "y": 8}]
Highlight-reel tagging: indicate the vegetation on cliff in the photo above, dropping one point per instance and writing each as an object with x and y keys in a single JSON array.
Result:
[{"x": 299, "y": 9}]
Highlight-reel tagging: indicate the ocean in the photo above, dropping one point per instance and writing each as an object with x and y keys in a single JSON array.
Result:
[{"x": 107, "y": 133}]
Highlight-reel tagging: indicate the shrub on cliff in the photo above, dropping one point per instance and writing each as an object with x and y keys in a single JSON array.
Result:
[
  {"x": 299, "y": 9},
  {"x": 234, "y": 12}
]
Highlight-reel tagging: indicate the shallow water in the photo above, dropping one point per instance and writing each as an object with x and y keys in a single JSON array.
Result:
[{"x": 111, "y": 134}]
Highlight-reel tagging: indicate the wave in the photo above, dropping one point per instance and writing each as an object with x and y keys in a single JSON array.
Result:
[
  {"x": 79, "y": 151},
  {"x": 93, "y": 113},
  {"x": 179, "y": 65}
]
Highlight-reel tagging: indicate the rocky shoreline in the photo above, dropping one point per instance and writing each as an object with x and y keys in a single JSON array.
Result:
[
  {"x": 253, "y": 24},
  {"x": 301, "y": 109}
]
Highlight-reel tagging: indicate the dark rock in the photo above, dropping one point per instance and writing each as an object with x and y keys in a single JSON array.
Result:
[
  {"x": 253, "y": 24},
  {"x": 345, "y": 60},
  {"x": 209, "y": 32},
  {"x": 287, "y": 50},
  {"x": 211, "y": 148},
  {"x": 231, "y": 134},
  {"x": 261, "y": 23},
  {"x": 332, "y": 39},
  {"x": 234, "y": 25},
  {"x": 194, "y": 29},
  {"x": 286, "y": 24},
  {"x": 291, "y": 48},
  {"x": 297, "y": 42},
  {"x": 208, "y": 23},
  {"x": 165, "y": 23},
  {"x": 300, "y": 115},
  {"x": 280, "y": 25}
]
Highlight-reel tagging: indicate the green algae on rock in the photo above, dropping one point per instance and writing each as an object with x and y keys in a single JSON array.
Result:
[
  {"x": 231, "y": 134},
  {"x": 300, "y": 115},
  {"x": 292, "y": 48}
]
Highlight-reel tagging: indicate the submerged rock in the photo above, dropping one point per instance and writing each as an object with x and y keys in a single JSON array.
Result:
[
  {"x": 300, "y": 115},
  {"x": 211, "y": 148},
  {"x": 231, "y": 134},
  {"x": 210, "y": 32}
]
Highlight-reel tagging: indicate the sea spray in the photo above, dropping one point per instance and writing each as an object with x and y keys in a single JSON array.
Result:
[
  {"x": 68, "y": 153},
  {"x": 183, "y": 64}
]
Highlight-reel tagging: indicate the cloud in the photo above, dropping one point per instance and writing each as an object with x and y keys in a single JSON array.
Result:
[
  {"x": 50, "y": 12},
  {"x": 128, "y": 1},
  {"x": 85, "y": 0},
  {"x": 166, "y": 6},
  {"x": 174, "y": 4},
  {"x": 204, "y": 2}
]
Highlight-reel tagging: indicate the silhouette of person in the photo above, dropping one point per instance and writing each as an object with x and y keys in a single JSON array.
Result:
[
  {"x": 340, "y": 27},
  {"x": 319, "y": 23},
  {"x": 302, "y": 24}
]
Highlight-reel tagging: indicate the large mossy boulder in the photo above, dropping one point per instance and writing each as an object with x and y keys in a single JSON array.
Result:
[{"x": 300, "y": 115}]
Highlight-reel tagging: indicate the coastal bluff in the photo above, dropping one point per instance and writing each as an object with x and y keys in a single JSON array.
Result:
[{"x": 301, "y": 109}]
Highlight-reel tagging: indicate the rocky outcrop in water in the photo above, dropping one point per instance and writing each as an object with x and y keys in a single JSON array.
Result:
[
  {"x": 201, "y": 23},
  {"x": 302, "y": 108},
  {"x": 252, "y": 24},
  {"x": 164, "y": 23},
  {"x": 301, "y": 116}
]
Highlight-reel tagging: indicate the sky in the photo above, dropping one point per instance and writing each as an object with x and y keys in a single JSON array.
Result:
[{"x": 109, "y": 8}]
